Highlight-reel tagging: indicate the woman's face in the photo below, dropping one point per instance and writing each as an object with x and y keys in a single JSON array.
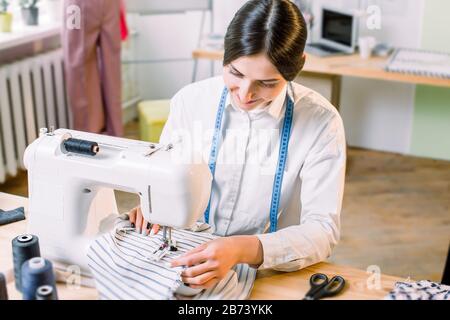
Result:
[{"x": 253, "y": 81}]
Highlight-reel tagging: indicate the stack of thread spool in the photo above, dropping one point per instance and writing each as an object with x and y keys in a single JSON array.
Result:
[
  {"x": 24, "y": 247},
  {"x": 46, "y": 292},
  {"x": 37, "y": 276},
  {"x": 31, "y": 272}
]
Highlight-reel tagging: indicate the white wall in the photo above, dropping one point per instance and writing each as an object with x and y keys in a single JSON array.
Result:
[
  {"x": 163, "y": 50},
  {"x": 174, "y": 37},
  {"x": 378, "y": 114}
]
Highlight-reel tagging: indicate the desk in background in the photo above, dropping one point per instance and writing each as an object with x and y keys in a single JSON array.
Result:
[
  {"x": 335, "y": 67},
  {"x": 269, "y": 284}
]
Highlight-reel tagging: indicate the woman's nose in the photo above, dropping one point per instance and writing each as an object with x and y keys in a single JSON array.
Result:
[{"x": 245, "y": 93}]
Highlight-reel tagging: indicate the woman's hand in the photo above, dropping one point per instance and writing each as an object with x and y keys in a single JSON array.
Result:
[
  {"x": 142, "y": 226},
  {"x": 208, "y": 263}
]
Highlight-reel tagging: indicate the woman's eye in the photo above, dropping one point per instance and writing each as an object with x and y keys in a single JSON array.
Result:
[
  {"x": 268, "y": 85},
  {"x": 236, "y": 74}
]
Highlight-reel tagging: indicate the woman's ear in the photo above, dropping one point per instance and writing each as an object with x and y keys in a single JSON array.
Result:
[{"x": 302, "y": 61}]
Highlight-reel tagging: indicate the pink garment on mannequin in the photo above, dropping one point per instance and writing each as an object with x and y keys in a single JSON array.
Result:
[
  {"x": 93, "y": 68},
  {"x": 123, "y": 21}
]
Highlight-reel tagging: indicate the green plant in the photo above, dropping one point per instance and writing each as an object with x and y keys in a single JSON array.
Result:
[
  {"x": 4, "y": 6},
  {"x": 28, "y": 3}
]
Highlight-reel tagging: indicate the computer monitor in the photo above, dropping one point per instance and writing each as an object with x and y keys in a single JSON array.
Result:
[{"x": 339, "y": 29}]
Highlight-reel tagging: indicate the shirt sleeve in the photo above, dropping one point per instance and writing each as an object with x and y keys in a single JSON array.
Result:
[
  {"x": 322, "y": 186},
  {"x": 176, "y": 123}
]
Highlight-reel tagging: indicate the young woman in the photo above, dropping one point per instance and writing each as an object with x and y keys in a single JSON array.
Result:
[{"x": 278, "y": 150}]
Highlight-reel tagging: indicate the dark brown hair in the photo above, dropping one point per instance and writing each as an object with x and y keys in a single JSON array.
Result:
[{"x": 274, "y": 27}]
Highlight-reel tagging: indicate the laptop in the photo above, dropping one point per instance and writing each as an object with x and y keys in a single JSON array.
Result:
[{"x": 338, "y": 33}]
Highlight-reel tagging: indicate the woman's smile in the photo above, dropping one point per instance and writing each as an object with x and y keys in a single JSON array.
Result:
[{"x": 245, "y": 104}]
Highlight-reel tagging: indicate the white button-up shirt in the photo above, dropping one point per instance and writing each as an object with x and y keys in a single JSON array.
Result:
[{"x": 313, "y": 182}]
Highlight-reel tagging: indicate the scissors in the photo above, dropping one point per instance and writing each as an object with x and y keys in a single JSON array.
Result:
[{"x": 321, "y": 287}]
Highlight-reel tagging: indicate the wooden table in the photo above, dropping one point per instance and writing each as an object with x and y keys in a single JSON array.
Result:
[
  {"x": 268, "y": 285},
  {"x": 335, "y": 67}
]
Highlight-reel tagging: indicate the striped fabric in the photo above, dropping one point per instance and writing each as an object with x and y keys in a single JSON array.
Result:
[{"x": 122, "y": 265}]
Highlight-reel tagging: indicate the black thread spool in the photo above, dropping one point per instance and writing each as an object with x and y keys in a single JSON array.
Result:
[
  {"x": 24, "y": 247},
  {"x": 3, "y": 287},
  {"x": 36, "y": 272},
  {"x": 81, "y": 146},
  {"x": 46, "y": 292}
]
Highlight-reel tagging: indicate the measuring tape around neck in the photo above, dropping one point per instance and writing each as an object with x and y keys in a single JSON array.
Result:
[{"x": 282, "y": 156}]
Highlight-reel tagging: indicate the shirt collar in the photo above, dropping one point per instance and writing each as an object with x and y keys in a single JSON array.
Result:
[{"x": 273, "y": 109}]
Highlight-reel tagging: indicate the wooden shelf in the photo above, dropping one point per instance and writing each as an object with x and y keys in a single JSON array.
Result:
[{"x": 348, "y": 65}]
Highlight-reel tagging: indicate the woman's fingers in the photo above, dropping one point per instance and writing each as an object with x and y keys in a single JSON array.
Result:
[
  {"x": 155, "y": 229},
  {"x": 197, "y": 270},
  {"x": 132, "y": 215},
  {"x": 139, "y": 220},
  {"x": 206, "y": 285},
  {"x": 199, "y": 280},
  {"x": 190, "y": 259},
  {"x": 140, "y": 224},
  {"x": 197, "y": 249},
  {"x": 145, "y": 227}
]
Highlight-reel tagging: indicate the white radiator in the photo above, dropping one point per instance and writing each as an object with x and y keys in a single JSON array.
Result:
[{"x": 32, "y": 96}]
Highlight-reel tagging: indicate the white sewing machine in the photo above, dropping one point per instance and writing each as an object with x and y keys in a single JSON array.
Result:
[{"x": 71, "y": 191}]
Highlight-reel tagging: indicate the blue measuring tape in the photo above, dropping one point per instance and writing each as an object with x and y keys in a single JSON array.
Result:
[{"x": 282, "y": 156}]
